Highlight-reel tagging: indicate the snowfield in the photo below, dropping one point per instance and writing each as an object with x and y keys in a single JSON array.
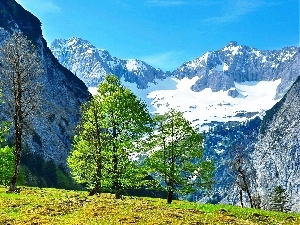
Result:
[
  {"x": 202, "y": 108},
  {"x": 206, "y": 106}
]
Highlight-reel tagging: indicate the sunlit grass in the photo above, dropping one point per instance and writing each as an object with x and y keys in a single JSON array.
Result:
[{"x": 53, "y": 206}]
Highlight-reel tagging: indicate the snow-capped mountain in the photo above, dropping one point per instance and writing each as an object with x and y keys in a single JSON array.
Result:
[
  {"x": 91, "y": 64},
  {"x": 232, "y": 84},
  {"x": 219, "y": 70}
]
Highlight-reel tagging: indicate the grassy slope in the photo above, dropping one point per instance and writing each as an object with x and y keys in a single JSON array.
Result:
[{"x": 53, "y": 206}]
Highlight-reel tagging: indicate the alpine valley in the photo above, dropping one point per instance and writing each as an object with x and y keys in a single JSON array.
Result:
[{"x": 236, "y": 95}]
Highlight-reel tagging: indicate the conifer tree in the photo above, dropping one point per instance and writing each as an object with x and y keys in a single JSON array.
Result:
[{"x": 280, "y": 200}]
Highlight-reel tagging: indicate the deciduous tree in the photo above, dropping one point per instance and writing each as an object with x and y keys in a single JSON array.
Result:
[
  {"x": 87, "y": 157},
  {"x": 20, "y": 69},
  {"x": 112, "y": 122},
  {"x": 243, "y": 172},
  {"x": 176, "y": 155}
]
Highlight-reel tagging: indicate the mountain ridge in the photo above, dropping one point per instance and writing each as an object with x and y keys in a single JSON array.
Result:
[
  {"x": 99, "y": 62},
  {"x": 51, "y": 132},
  {"x": 232, "y": 74}
]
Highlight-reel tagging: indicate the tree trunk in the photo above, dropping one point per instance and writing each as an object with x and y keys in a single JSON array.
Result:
[
  {"x": 18, "y": 122},
  {"x": 170, "y": 196},
  {"x": 172, "y": 169},
  {"x": 247, "y": 189},
  {"x": 18, "y": 151},
  {"x": 13, "y": 182},
  {"x": 116, "y": 176},
  {"x": 94, "y": 190},
  {"x": 116, "y": 184},
  {"x": 250, "y": 197},
  {"x": 241, "y": 198},
  {"x": 99, "y": 150}
]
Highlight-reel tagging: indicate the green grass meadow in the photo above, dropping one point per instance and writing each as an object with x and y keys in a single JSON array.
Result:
[{"x": 55, "y": 206}]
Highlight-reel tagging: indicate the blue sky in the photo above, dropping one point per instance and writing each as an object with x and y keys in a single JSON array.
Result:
[{"x": 167, "y": 33}]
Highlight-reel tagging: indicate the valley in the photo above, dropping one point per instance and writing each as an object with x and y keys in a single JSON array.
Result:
[{"x": 243, "y": 101}]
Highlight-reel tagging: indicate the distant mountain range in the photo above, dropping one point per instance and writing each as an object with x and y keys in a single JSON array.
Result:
[{"x": 232, "y": 84}]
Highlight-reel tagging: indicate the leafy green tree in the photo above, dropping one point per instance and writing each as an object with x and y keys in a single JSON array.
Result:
[
  {"x": 6, "y": 156},
  {"x": 20, "y": 69},
  {"x": 6, "y": 164},
  {"x": 280, "y": 200},
  {"x": 112, "y": 121},
  {"x": 176, "y": 155}
]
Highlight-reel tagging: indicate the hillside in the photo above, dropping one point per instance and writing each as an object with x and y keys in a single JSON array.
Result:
[
  {"x": 51, "y": 132},
  {"x": 276, "y": 155},
  {"x": 70, "y": 207}
]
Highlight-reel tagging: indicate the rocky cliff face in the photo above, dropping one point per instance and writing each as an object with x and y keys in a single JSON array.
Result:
[
  {"x": 277, "y": 152},
  {"x": 91, "y": 64},
  {"x": 50, "y": 133}
]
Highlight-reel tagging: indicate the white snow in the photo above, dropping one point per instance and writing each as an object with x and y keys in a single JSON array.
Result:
[
  {"x": 134, "y": 65},
  {"x": 264, "y": 59},
  {"x": 166, "y": 84},
  {"x": 207, "y": 106},
  {"x": 256, "y": 52},
  {"x": 221, "y": 67},
  {"x": 93, "y": 90},
  {"x": 234, "y": 49},
  {"x": 72, "y": 42},
  {"x": 288, "y": 56},
  {"x": 199, "y": 61}
]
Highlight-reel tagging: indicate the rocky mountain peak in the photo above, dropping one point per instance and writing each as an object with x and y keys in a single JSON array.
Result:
[
  {"x": 91, "y": 64},
  {"x": 219, "y": 70},
  {"x": 232, "y": 44}
]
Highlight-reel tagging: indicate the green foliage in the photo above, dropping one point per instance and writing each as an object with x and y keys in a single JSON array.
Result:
[
  {"x": 112, "y": 121},
  {"x": 280, "y": 200},
  {"x": 176, "y": 155},
  {"x": 6, "y": 156},
  {"x": 6, "y": 165}
]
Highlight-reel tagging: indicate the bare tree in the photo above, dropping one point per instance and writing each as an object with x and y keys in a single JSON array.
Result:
[
  {"x": 20, "y": 69},
  {"x": 243, "y": 171}
]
